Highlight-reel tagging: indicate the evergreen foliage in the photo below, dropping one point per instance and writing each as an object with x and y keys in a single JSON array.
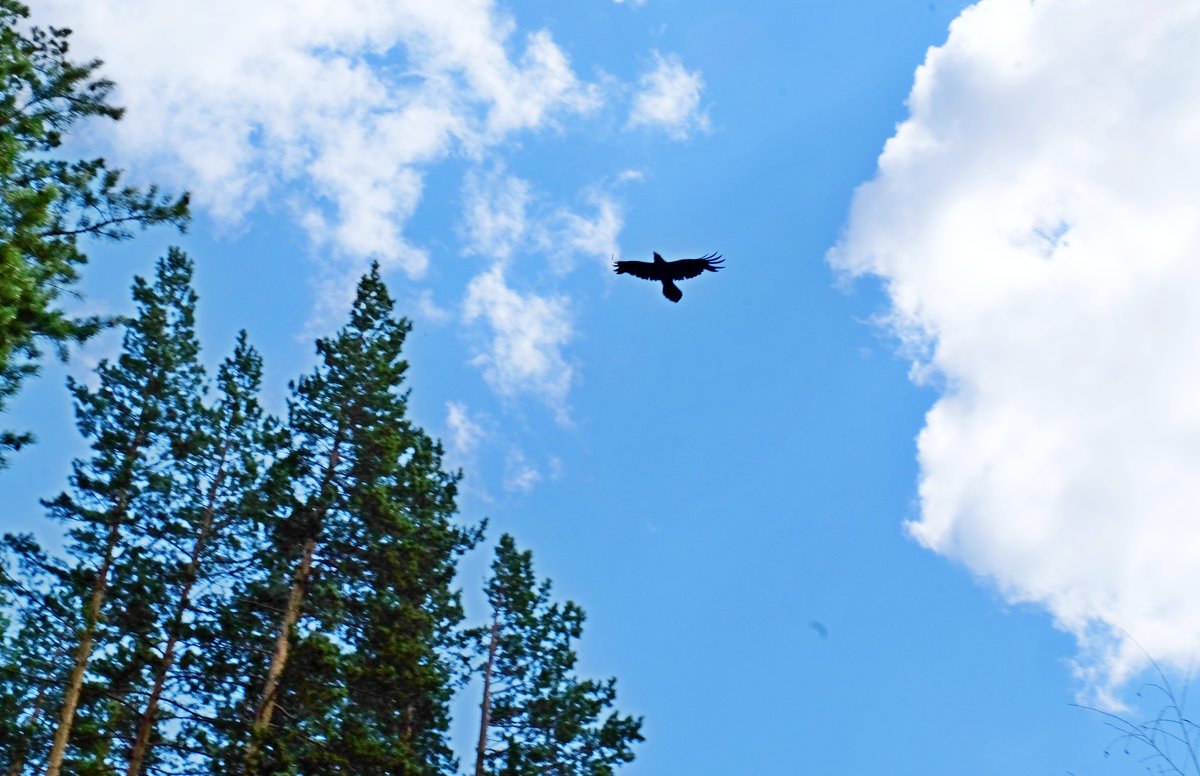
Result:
[
  {"x": 46, "y": 203},
  {"x": 32, "y": 651},
  {"x": 241, "y": 595},
  {"x": 209, "y": 538},
  {"x": 362, "y": 671},
  {"x": 139, "y": 420},
  {"x": 537, "y": 716}
]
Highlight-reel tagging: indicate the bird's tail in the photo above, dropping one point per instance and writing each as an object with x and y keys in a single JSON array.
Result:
[{"x": 671, "y": 291}]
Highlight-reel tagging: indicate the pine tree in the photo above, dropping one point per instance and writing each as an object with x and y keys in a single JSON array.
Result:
[
  {"x": 359, "y": 674},
  {"x": 403, "y": 613},
  {"x": 211, "y": 535},
  {"x": 536, "y": 717},
  {"x": 46, "y": 203},
  {"x": 138, "y": 421}
]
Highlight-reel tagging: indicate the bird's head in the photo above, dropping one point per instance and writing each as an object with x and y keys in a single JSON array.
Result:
[{"x": 659, "y": 259}]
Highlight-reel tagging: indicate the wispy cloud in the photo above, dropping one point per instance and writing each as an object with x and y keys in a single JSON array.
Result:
[
  {"x": 528, "y": 331},
  {"x": 501, "y": 215},
  {"x": 429, "y": 311},
  {"x": 465, "y": 433},
  {"x": 669, "y": 99},
  {"x": 568, "y": 234},
  {"x": 524, "y": 352},
  {"x": 1035, "y": 223},
  {"x": 494, "y": 213},
  {"x": 519, "y": 475}
]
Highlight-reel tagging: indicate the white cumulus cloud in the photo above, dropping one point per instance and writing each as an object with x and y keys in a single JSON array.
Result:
[
  {"x": 1035, "y": 224},
  {"x": 669, "y": 99},
  {"x": 332, "y": 113},
  {"x": 337, "y": 108},
  {"x": 528, "y": 334}
]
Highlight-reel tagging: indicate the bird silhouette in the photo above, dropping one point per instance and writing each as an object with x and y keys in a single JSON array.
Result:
[{"x": 668, "y": 272}]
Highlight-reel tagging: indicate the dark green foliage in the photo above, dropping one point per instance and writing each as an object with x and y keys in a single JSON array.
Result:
[
  {"x": 210, "y": 538},
  {"x": 139, "y": 420},
  {"x": 240, "y": 596},
  {"x": 540, "y": 717},
  {"x": 367, "y": 677},
  {"x": 140, "y": 417},
  {"x": 46, "y": 203},
  {"x": 32, "y": 651}
]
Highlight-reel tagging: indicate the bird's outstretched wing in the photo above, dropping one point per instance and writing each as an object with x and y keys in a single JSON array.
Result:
[
  {"x": 682, "y": 269},
  {"x": 639, "y": 269}
]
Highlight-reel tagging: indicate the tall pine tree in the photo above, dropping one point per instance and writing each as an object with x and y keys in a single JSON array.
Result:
[
  {"x": 135, "y": 419},
  {"x": 209, "y": 538},
  {"x": 360, "y": 673},
  {"x": 537, "y": 718}
]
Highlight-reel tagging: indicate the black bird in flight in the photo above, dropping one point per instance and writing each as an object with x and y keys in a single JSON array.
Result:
[{"x": 669, "y": 271}]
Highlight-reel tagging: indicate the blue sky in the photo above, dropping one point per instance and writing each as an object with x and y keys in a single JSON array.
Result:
[{"x": 948, "y": 418}]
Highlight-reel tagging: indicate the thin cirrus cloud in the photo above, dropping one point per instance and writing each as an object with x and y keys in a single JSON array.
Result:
[
  {"x": 571, "y": 234},
  {"x": 495, "y": 209},
  {"x": 668, "y": 99},
  {"x": 1034, "y": 222}
]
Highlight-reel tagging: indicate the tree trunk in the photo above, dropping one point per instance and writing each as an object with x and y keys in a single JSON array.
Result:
[
  {"x": 146, "y": 723},
  {"x": 18, "y": 763},
  {"x": 17, "y": 767},
  {"x": 291, "y": 613},
  {"x": 91, "y": 617},
  {"x": 485, "y": 707},
  {"x": 84, "y": 652}
]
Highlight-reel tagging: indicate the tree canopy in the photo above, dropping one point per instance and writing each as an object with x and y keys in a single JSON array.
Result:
[{"x": 245, "y": 594}]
